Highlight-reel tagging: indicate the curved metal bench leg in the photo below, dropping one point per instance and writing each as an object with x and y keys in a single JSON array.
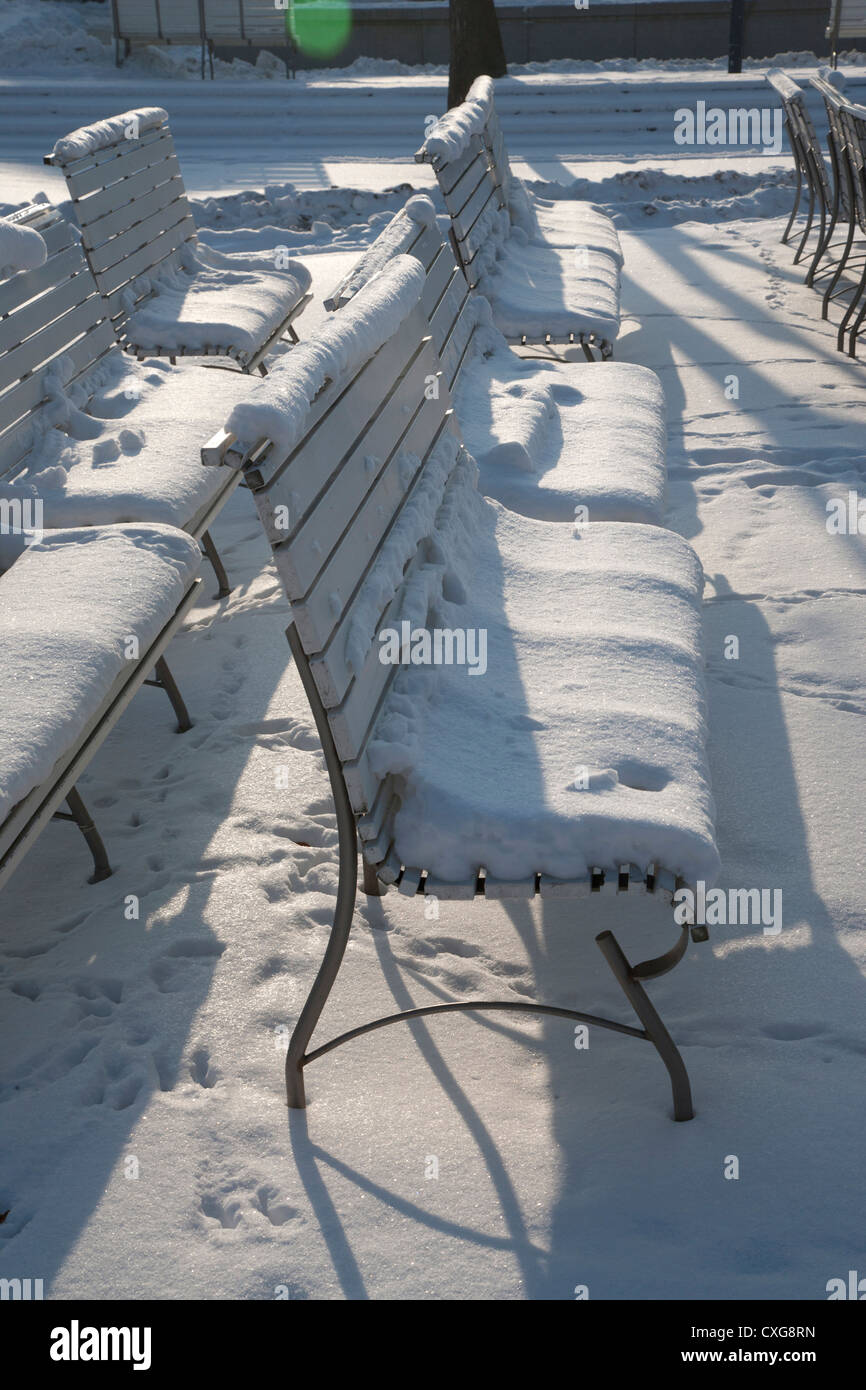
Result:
[
  {"x": 628, "y": 978},
  {"x": 165, "y": 680},
  {"x": 79, "y": 813},
  {"x": 852, "y": 305},
  {"x": 843, "y": 259},
  {"x": 346, "y": 890},
  {"x": 217, "y": 565},
  {"x": 787, "y": 231},
  {"x": 809, "y": 220}
]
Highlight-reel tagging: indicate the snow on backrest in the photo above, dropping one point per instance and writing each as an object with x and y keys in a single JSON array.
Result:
[
  {"x": 446, "y": 298},
  {"x": 350, "y": 505},
  {"x": 177, "y": 20},
  {"x": 130, "y": 202},
  {"x": 49, "y": 313},
  {"x": 482, "y": 92},
  {"x": 456, "y": 147}
]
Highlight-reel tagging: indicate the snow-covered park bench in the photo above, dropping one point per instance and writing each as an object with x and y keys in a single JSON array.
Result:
[
  {"x": 507, "y": 707},
  {"x": 552, "y": 281},
  {"x": 167, "y": 295},
  {"x": 85, "y": 615},
  {"x": 95, "y": 437},
  {"x": 259, "y": 23},
  {"x": 847, "y": 21},
  {"x": 549, "y": 437}
]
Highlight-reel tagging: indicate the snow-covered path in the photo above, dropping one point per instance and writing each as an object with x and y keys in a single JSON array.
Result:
[{"x": 474, "y": 1158}]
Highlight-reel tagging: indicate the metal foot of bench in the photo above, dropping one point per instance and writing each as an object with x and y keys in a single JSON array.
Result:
[
  {"x": 165, "y": 681},
  {"x": 79, "y": 813},
  {"x": 787, "y": 231},
  {"x": 629, "y": 978},
  {"x": 373, "y": 885},
  {"x": 217, "y": 565}
]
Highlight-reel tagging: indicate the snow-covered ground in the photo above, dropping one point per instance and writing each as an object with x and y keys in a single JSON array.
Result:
[{"x": 145, "y": 1145}]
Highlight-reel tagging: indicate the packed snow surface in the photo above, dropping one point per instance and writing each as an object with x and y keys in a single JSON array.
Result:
[
  {"x": 21, "y": 248},
  {"x": 69, "y": 607}
]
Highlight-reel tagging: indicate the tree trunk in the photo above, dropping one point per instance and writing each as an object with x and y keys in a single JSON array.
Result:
[{"x": 476, "y": 46}]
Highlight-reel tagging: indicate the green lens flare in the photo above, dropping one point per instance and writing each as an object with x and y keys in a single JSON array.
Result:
[{"x": 320, "y": 28}]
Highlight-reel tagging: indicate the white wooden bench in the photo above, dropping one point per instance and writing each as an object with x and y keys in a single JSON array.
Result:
[
  {"x": 539, "y": 292},
  {"x": 603, "y": 449},
  {"x": 847, "y": 21},
  {"x": 166, "y": 295},
  {"x": 85, "y": 615},
  {"x": 54, "y": 316},
  {"x": 367, "y": 498},
  {"x": 565, "y": 222},
  {"x": 257, "y": 23}
]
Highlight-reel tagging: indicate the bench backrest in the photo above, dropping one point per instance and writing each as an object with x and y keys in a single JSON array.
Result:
[
  {"x": 801, "y": 130},
  {"x": 847, "y": 20},
  {"x": 482, "y": 91},
  {"x": 837, "y": 137},
  {"x": 348, "y": 502},
  {"x": 171, "y": 21},
  {"x": 446, "y": 298},
  {"x": 129, "y": 200},
  {"x": 245, "y": 21},
  {"x": 853, "y": 124},
  {"x": 476, "y": 204},
  {"x": 48, "y": 313}
]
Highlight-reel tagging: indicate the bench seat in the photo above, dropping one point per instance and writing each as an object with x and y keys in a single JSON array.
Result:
[
  {"x": 68, "y": 607},
  {"x": 222, "y": 300},
  {"x": 537, "y": 290},
  {"x": 594, "y": 662},
  {"x": 143, "y": 465},
  {"x": 563, "y": 222},
  {"x": 551, "y": 436}
]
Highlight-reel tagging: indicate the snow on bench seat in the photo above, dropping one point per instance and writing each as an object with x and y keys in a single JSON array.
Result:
[
  {"x": 212, "y": 301},
  {"x": 68, "y": 608},
  {"x": 563, "y": 222},
  {"x": 538, "y": 290},
  {"x": 582, "y": 744},
  {"x": 548, "y": 436},
  {"x": 141, "y": 462}
]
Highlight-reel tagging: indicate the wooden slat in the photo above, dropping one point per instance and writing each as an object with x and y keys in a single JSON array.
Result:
[
  {"x": 23, "y": 397},
  {"x": 454, "y": 349},
  {"x": 106, "y": 203},
  {"x": 448, "y": 175},
  {"x": 318, "y": 613},
  {"x": 444, "y": 317},
  {"x": 141, "y": 235},
  {"x": 116, "y": 162},
  {"x": 316, "y": 536},
  {"x": 339, "y": 421},
  {"x": 53, "y": 339},
  {"x": 464, "y": 188},
  {"x": 439, "y": 277},
  {"x": 29, "y": 283},
  {"x": 140, "y": 262},
  {"x": 466, "y": 222},
  {"x": 38, "y": 313}
]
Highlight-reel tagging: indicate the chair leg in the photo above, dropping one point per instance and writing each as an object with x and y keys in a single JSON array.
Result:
[
  {"x": 843, "y": 259},
  {"x": 852, "y": 305},
  {"x": 79, "y": 813},
  {"x": 809, "y": 219},
  {"x": 627, "y": 978},
  {"x": 165, "y": 680},
  {"x": 212, "y": 554}
]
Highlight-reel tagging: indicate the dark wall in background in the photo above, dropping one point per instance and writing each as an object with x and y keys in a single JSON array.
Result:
[{"x": 418, "y": 32}]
